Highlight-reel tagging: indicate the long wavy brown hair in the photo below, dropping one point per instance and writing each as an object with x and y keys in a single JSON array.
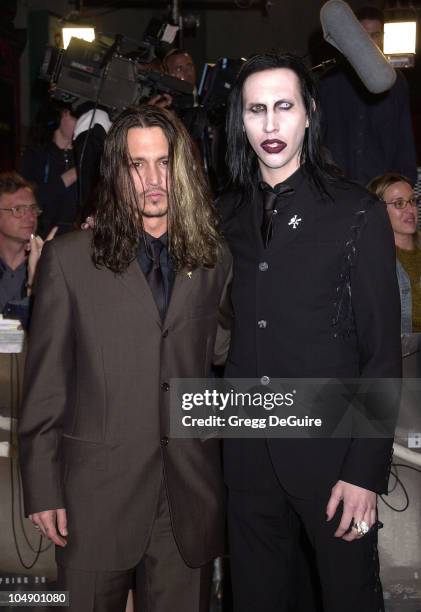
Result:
[{"x": 193, "y": 235}]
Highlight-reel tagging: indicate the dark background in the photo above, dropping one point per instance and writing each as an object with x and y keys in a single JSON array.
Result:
[{"x": 226, "y": 30}]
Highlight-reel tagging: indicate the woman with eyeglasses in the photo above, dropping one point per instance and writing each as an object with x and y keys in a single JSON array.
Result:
[{"x": 402, "y": 206}]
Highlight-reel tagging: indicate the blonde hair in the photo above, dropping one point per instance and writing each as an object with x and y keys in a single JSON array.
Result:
[
  {"x": 379, "y": 186},
  {"x": 193, "y": 235}
]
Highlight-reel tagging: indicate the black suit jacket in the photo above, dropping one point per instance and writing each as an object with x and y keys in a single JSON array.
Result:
[{"x": 315, "y": 327}]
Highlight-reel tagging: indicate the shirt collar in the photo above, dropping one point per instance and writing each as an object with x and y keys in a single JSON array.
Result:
[
  {"x": 293, "y": 181},
  {"x": 4, "y": 266},
  {"x": 149, "y": 239}
]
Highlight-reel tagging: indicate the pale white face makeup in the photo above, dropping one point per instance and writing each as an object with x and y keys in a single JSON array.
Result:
[{"x": 275, "y": 121}]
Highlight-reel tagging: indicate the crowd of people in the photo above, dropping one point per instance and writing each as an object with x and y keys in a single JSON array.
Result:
[{"x": 295, "y": 271}]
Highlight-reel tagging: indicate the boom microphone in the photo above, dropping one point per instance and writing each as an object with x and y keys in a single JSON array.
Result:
[{"x": 342, "y": 29}]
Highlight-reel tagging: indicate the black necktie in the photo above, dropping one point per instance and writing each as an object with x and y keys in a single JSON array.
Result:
[
  {"x": 270, "y": 199},
  {"x": 154, "y": 276}
]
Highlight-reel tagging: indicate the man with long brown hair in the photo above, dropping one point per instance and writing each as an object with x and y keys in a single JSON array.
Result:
[{"x": 121, "y": 310}]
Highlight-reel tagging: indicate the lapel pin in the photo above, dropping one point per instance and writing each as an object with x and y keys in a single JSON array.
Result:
[
  {"x": 295, "y": 221},
  {"x": 189, "y": 274}
]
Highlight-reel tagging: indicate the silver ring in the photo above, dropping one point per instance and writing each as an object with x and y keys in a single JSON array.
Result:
[{"x": 361, "y": 528}]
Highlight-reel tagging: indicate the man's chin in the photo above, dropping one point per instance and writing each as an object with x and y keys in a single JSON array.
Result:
[
  {"x": 24, "y": 238},
  {"x": 154, "y": 214}
]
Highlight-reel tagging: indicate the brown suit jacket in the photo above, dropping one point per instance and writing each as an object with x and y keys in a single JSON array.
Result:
[{"x": 94, "y": 422}]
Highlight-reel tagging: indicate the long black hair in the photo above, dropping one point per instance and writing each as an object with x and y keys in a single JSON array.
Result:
[
  {"x": 194, "y": 239},
  {"x": 241, "y": 159}
]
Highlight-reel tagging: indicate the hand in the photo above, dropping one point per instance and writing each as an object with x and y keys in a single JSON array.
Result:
[
  {"x": 34, "y": 246},
  {"x": 358, "y": 505},
  {"x": 161, "y": 100},
  {"x": 53, "y": 525},
  {"x": 89, "y": 223},
  {"x": 69, "y": 177}
]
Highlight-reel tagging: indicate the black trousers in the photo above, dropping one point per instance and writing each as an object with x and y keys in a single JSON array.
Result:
[
  {"x": 268, "y": 574},
  {"x": 162, "y": 580}
]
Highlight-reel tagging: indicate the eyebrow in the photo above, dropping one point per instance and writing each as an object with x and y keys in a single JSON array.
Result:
[
  {"x": 285, "y": 99},
  {"x": 144, "y": 158},
  {"x": 24, "y": 204}
]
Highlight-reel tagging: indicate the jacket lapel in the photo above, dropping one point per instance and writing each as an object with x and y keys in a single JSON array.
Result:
[
  {"x": 243, "y": 229},
  {"x": 183, "y": 285},
  {"x": 135, "y": 282}
]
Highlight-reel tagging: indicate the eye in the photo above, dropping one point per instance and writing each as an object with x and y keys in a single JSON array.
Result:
[
  {"x": 257, "y": 108},
  {"x": 399, "y": 204},
  {"x": 164, "y": 162},
  {"x": 136, "y": 164},
  {"x": 284, "y": 105}
]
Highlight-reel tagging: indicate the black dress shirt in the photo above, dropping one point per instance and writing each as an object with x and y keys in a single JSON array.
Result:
[{"x": 168, "y": 272}]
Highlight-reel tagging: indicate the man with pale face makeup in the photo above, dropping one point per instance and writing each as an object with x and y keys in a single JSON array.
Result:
[
  {"x": 313, "y": 264},
  {"x": 120, "y": 311}
]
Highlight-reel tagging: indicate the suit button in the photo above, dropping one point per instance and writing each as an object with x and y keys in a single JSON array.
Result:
[
  {"x": 164, "y": 441},
  {"x": 265, "y": 380},
  {"x": 263, "y": 266},
  {"x": 165, "y": 386},
  {"x": 165, "y": 333},
  {"x": 262, "y": 324}
]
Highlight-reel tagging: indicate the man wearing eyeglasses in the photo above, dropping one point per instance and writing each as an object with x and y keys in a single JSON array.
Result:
[{"x": 20, "y": 248}]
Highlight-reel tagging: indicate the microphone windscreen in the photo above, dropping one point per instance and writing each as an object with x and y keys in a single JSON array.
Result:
[{"x": 342, "y": 29}]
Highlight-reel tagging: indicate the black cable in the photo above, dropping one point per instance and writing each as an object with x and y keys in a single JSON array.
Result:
[
  {"x": 22, "y": 524},
  {"x": 14, "y": 402},
  {"x": 18, "y": 479},
  {"x": 395, "y": 485},
  {"x": 409, "y": 467},
  {"x": 406, "y": 505},
  {"x": 398, "y": 481}
]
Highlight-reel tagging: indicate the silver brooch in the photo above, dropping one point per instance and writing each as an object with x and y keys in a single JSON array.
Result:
[{"x": 295, "y": 221}]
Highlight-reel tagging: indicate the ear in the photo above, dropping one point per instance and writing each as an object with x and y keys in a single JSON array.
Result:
[{"x": 313, "y": 104}]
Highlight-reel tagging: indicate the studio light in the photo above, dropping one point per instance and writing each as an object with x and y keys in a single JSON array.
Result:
[
  {"x": 400, "y": 38},
  {"x": 85, "y": 33}
]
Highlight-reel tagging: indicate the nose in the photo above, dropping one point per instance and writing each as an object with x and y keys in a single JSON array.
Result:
[
  {"x": 270, "y": 122},
  {"x": 152, "y": 176}
]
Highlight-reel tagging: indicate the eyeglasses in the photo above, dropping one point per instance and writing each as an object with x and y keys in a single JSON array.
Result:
[
  {"x": 402, "y": 203},
  {"x": 20, "y": 211}
]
